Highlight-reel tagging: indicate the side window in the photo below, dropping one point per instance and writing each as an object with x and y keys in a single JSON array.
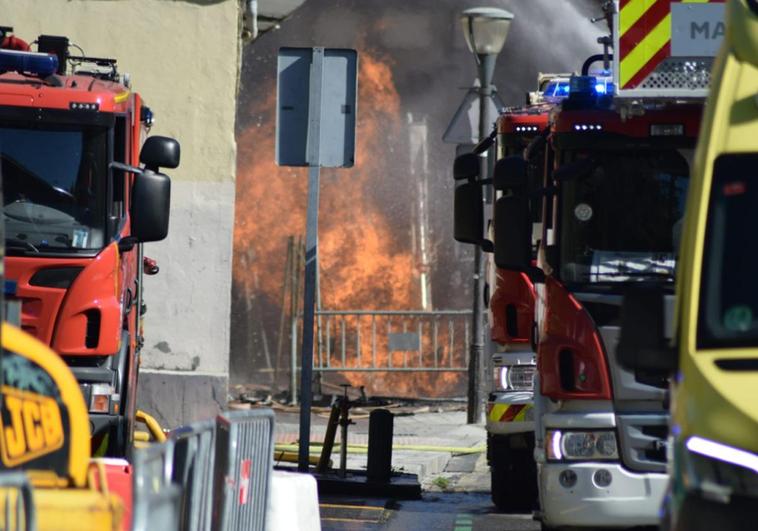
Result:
[
  {"x": 728, "y": 308},
  {"x": 120, "y": 149}
]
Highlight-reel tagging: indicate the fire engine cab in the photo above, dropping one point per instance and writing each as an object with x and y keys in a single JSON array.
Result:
[{"x": 77, "y": 209}]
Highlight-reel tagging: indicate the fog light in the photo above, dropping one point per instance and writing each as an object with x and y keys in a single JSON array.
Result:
[
  {"x": 602, "y": 478},
  {"x": 567, "y": 478}
]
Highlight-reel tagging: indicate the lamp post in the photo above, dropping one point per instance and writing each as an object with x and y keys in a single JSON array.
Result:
[{"x": 485, "y": 30}]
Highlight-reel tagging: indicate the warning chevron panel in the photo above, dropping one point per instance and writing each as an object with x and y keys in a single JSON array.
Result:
[{"x": 646, "y": 27}]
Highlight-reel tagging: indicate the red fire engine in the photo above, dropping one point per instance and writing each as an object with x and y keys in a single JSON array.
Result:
[
  {"x": 510, "y": 411},
  {"x": 614, "y": 198},
  {"x": 77, "y": 210}
]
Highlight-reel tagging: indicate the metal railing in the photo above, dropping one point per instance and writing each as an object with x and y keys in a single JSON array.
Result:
[
  {"x": 193, "y": 460},
  {"x": 385, "y": 341},
  {"x": 18, "y": 511},
  {"x": 242, "y": 469},
  {"x": 156, "y": 496},
  {"x": 208, "y": 475}
]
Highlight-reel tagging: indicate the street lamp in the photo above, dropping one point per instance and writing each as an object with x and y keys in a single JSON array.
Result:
[{"x": 485, "y": 30}]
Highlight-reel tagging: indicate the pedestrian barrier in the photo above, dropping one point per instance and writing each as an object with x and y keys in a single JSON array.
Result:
[
  {"x": 194, "y": 454},
  {"x": 156, "y": 498},
  {"x": 17, "y": 502},
  {"x": 242, "y": 469},
  {"x": 385, "y": 341}
]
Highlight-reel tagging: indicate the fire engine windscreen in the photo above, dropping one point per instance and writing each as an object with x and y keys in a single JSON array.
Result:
[
  {"x": 620, "y": 221},
  {"x": 54, "y": 179}
]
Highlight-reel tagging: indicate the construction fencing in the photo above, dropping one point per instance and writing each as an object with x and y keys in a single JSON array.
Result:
[
  {"x": 209, "y": 475},
  {"x": 17, "y": 500},
  {"x": 384, "y": 341}
]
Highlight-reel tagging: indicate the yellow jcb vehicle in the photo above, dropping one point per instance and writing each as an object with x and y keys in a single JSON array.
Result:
[
  {"x": 44, "y": 431},
  {"x": 712, "y": 356}
]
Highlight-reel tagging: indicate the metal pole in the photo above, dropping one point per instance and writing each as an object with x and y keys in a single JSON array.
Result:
[
  {"x": 311, "y": 257},
  {"x": 293, "y": 362},
  {"x": 475, "y": 408}
]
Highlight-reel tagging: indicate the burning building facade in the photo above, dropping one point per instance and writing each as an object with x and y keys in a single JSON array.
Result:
[{"x": 385, "y": 236}]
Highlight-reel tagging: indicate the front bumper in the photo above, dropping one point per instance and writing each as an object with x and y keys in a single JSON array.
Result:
[
  {"x": 631, "y": 499},
  {"x": 510, "y": 412}
]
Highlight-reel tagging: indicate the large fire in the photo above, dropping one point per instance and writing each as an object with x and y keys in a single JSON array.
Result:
[{"x": 366, "y": 261}]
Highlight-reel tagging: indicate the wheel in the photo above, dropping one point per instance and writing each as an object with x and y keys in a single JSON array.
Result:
[{"x": 514, "y": 478}]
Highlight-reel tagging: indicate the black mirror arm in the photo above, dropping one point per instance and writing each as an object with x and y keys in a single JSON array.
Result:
[
  {"x": 125, "y": 167},
  {"x": 487, "y": 246},
  {"x": 485, "y": 143},
  {"x": 536, "y": 275}
]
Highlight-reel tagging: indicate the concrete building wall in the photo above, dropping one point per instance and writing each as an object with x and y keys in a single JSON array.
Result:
[{"x": 183, "y": 57}]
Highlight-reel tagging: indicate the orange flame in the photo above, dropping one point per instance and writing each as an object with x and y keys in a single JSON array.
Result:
[{"x": 365, "y": 258}]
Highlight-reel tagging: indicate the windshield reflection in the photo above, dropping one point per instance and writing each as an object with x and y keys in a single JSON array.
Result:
[
  {"x": 54, "y": 185},
  {"x": 621, "y": 219}
]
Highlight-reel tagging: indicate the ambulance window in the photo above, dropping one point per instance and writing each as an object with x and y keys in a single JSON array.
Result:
[{"x": 728, "y": 310}]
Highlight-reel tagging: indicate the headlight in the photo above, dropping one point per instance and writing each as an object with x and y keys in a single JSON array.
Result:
[
  {"x": 501, "y": 378},
  {"x": 719, "y": 470},
  {"x": 521, "y": 377},
  {"x": 515, "y": 378},
  {"x": 581, "y": 445},
  {"x": 100, "y": 398}
]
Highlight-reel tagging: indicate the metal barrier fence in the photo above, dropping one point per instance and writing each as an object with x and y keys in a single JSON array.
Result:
[
  {"x": 209, "y": 475},
  {"x": 242, "y": 470},
  {"x": 156, "y": 497},
  {"x": 18, "y": 502},
  {"x": 194, "y": 454},
  {"x": 385, "y": 341}
]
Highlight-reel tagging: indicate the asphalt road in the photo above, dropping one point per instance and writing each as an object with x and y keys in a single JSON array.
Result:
[{"x": 453, "y": 511}]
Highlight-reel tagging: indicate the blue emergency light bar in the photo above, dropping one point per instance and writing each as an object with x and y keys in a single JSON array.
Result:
[
  {"x": 38, "y": 64},
  {"x": 556, "y": 90},
  {"x": 579, "y": 85}
]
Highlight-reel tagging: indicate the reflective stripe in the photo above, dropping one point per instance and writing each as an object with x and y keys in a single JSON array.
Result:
[
  {"x": 644, "y": 32},
  {"x": 508, "y": 413}
]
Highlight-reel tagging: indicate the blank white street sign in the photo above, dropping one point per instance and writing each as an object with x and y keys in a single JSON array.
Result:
[{"x": 335, "y": 113}]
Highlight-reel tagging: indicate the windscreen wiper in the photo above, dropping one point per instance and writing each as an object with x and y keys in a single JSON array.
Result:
[{"x": 14, "y": 243}]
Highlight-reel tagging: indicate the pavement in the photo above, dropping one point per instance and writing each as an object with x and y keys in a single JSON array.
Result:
[{"x": 436, "y": 444}]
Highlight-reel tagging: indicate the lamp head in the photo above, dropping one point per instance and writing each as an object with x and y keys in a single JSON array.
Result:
[{"x": 485, "y": 29}]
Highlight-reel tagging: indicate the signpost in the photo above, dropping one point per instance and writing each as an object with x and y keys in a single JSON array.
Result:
[{"x": 315, "y": 127}]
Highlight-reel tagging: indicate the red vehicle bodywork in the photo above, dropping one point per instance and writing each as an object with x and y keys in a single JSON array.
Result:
[{"x": 512, "y": 301}]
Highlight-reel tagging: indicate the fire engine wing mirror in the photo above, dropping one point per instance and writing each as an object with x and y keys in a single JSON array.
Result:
[
  {"x": 574, "y": 170},
  {"x": 510, "y": 173},
  {"x": 160, "y": 152},
  {"x": 513, "y": 234},
  {"x": 151, "y": 202},
  {"x": 468, "y": 214},
  {"x": 642, "y": 344},
  {"x": 466, "y": 166}
]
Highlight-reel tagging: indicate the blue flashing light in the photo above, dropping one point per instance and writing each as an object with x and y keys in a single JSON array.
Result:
[
  {"x": 579, "y": 86},
  {"x": 556, "y": 90},
  {"x": 38, "y": 64}
]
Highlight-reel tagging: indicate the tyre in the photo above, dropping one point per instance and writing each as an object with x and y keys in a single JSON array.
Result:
[{"x": 514, "y": 477}]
